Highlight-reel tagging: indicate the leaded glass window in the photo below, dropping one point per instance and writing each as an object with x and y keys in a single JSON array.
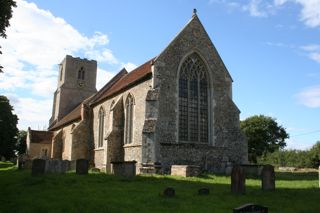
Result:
[
  {"x": 101, "y": 127},
  {"x": 129, "y": 119},
  {"x": 193, "y": 100}
]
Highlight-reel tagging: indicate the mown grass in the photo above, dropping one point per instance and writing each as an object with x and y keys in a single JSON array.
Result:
[{"x": 21, "y": 192}]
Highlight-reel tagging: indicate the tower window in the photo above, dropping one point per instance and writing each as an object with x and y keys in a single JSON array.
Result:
[
  {"x": 193, "y": 100},
  {"x": 81, "y": 74},
  {"x": 129, "y": 119}
]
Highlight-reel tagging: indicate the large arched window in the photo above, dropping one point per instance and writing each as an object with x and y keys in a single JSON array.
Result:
[
  {"x": 129, "y": 119},
  {"x": 193, "y": 100},
  {"x": 101, "y": 127}
]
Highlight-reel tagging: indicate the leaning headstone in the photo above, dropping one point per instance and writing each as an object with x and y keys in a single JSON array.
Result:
[
  {"x": 38, "y": 166},
  {"x": 82, "y": 166},
  {"x": 268, "y": 178},
  {"x": 251, "y": 208},
  {"x": 203, "y": 191},
  {"x": 238, "y": 179},
  {"x": 169, "y": 192}
]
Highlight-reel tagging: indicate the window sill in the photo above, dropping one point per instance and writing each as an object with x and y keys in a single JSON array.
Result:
[
  {"x": 99, "y": 149},
  {"x": 131, "y": 145}
]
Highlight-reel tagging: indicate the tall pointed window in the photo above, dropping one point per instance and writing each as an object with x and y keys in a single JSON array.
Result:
[
  {"x": 129, "y": 119},
  {"x": 193, "y": 100},
  {"x": 101, "y": 127},
  {"x": 81, "y": 73}
]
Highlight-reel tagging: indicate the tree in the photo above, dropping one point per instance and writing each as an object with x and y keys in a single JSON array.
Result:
[
  {"x": 21, "y": 142},
  {"x": 8, "y": 128},
  {"x": 264, "y": 135},
  {"x": 315, "y": 155},
  {"x": 5, "y": 15}
]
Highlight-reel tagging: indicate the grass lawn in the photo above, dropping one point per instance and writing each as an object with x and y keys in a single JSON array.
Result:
[{"x": 20, "y": 192}]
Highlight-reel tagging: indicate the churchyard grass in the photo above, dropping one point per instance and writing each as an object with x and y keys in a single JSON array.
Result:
[{"x": 96, "y": 192}]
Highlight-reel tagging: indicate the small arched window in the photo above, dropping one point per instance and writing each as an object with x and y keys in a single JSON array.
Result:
[
  {"x": 129, "y": 119},
  {"x": 193, "y": 100},
  {"x": 81, "y": 73},
  {"x": 101, "y": 127}
]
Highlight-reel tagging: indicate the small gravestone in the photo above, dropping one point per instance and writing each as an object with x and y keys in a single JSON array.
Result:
[
  {"x": 268, "y": 178},
  {"x": 203, "y": 191},
  {"x": 82, "y": 166},
  {"x": 169, "y": 192},
  {"x": 251, "y": 208},
  {"x": 38, "y": 167},
  {"x": 238, "y": 179}
]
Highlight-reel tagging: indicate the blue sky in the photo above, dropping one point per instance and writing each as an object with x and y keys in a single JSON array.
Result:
[{"x": 271, "y": 49}]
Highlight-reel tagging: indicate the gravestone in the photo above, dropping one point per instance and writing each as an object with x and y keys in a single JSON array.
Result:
[
  {"x": 169, "y": 192},
  {"x": 82, "y": 166},
  {"x": 238, "y": 179},
  {"x": 124, "y": 168},
  {"x": 56, "y": 166},
  {"x": 38, "y": 167},
  {"x": 251, "y": 208},
  {"x": 203, "y": 191},
  {"x": 268, "y": 178}
]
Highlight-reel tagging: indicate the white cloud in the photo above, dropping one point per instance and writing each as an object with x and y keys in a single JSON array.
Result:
[
  {"x": 310, "y": 13},
  {"x": 103, "y": 77},
  {"x": 37, "y": 41},
  {"x": 254, "y": 8},
  {"x": 313, "y": 51},
  {"x": 310, "y": 97},
  {"x": 129, "y": 66}
]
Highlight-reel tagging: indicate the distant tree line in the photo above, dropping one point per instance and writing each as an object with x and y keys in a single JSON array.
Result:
[{"x": 293, "y": 158}]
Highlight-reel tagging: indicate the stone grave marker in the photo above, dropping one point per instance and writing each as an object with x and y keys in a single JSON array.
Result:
[
  {"x": 169, "y": 192},
  {"x": 251, "y": 208},
  {"x": 38, "y": 167},
  {"x": 82, "y": 166},
  {"x": 238, "y": 179},
  {"x": 268, "y": 178},
  {"x": 203, "y": 191}
]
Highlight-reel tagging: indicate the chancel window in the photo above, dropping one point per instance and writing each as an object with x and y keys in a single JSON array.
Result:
[
  {"x": 81, "y": 73},
  {"x": 101, "y": 127},
  {"x": 129, "y": 119},
  {"x": 193, "y": 100}
]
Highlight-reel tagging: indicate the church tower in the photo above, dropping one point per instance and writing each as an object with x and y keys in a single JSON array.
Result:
[{"x": 76, "y": 82}]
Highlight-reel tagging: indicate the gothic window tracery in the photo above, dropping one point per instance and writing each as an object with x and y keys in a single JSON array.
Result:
[
  {"x": 193, "y": 100},
  {"x": 101, "y": 127},
  {"x": 129, "y": 119}
]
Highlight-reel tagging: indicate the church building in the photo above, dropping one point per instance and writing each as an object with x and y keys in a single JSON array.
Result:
[{"x": 175, "y": 109}]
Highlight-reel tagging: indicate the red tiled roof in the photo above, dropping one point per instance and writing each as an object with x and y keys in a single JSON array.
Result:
[
  {"x": 126, "y": 81},
  {"x": 74, "y": 115},
  {"x": 119, "y": 82},
  {"x": 41, "y": 136}
]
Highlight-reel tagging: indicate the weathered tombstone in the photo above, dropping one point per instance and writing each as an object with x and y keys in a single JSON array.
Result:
[
  {"x": 123, "y": 168},
  {"x": 169, "y": 192},
  {"x": 82, "y": 166},
  {"x": 38, "y": 167},
  {"x": 238, "y": 179},
  {"x": 251, "y": 208},
  {"x": 203, "y": 191},
  {"x": 268, "y": 178}
]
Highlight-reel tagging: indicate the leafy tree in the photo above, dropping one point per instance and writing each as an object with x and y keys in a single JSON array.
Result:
[
  {"x": 5, "y": 15},
  {"x": 8, "y": 128},
  {"x": 315, "y": 155},
  {"x": 22, "y": 142},
  {"x": 264, "y": 135}
]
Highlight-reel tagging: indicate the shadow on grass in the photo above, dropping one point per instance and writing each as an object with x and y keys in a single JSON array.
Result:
[{"x": 107, "y": 193}]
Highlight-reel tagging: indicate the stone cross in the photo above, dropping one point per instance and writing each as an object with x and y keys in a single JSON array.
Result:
[
  {"x": 38, "y": 167},
  {"x": 238, "y": 179},
  {"x": 82, "y": 166},
  {"x": 268, "y": 178}
]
